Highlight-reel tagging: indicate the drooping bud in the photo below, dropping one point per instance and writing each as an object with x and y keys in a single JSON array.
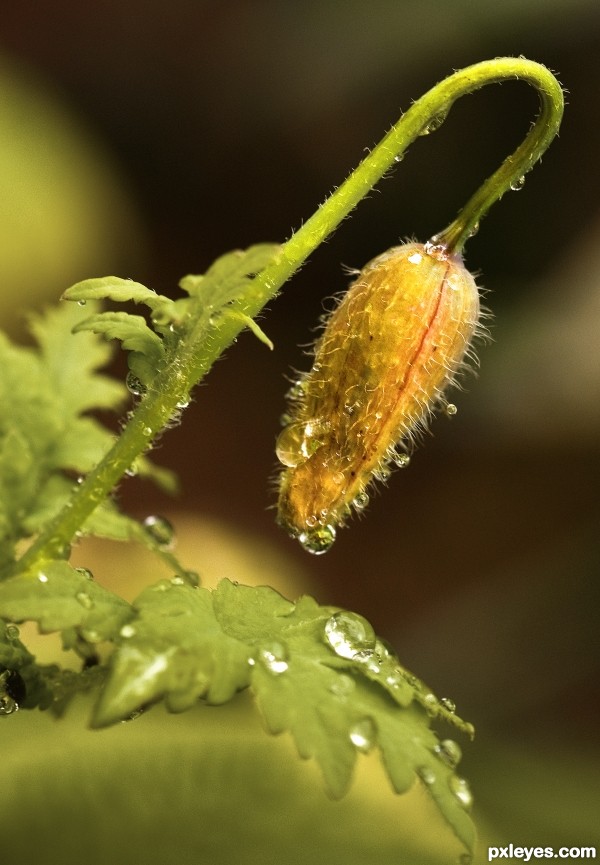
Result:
[{"x": 388, "y": 352}]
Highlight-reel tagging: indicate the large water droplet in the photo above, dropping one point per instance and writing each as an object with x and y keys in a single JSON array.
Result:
[
  {"x": 348, "y": 634},
  {"x": 448, "y": 704},
  {"x": 135, "y": 385},
  {"x": 81, "y": 302},
  {"x": 449, "y": 752},
  {"x": 362, "y": 735},
  {"x": 85, "y": 572},
  {"x": 460, "y": 788},
  {"x": 518, "y": 183},
  {"x": 318, "y": 539},
  {"x": 450, "y": 409},
  {"x": 299, "y": 441},
  {"x": 160, "y": 530},
  {"x": 274, "y": 658}
]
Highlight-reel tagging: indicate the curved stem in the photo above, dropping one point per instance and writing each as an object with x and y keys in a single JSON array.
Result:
[{"x": 196, "y": 353}]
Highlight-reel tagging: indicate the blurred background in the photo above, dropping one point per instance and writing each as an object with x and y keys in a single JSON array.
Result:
[{"x": 145, "y": 139}]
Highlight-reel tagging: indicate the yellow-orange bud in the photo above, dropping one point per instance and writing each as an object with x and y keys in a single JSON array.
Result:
[{"x": 388, "y": 352}]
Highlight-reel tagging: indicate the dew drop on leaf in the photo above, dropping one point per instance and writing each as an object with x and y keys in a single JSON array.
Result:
[
  {"x": 448, "y": 704},
  {"x": 461, "y": 790},
  {"x": 449, "y": 753},
  {"x": 348, "y": 634},
  {"x": 450, "y": 409},
  {"x": 362, "y": 735},
  {"x": 161, "y": 531},
  {"x": 427, "y": 775},
  {"x": 274, "y": 658},
  {"x": 518, "y": 183},
  {"x": 7, "y": 705}
]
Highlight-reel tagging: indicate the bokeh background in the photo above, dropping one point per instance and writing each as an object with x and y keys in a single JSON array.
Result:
[{"x": 144, "y": 139}]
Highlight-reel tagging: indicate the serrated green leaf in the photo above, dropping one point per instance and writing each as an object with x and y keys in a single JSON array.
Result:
[
  {"x": 135, "y": 336},
  {"x": 120, "y": 290},
  {"x": 43, "y": 392},
  {"x": 227, "y": 277},
  {"x": 335, "y": 706},
  {"x": 59, "y": 597},
  {"x": 176, "y": 650}
]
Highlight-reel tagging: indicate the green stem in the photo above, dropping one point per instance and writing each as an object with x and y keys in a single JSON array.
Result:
[{"x": 196, "y": 353}]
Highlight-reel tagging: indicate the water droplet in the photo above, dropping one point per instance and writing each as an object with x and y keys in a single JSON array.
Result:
[
  {"x": 450, "y": 409},
  {"x": 448, "y": 704},
  {"x": 274, "y": 658},
  {"x": 12, "y": 632},
  {"x": 431, "y": 704},
  {"x": 133, "y": 716},
  {"x": 401, "y": 460},
  {"x": 160, "y": 530},
  {"x": 361, "y": 501},
  {"x": 84, "y": 599},
  {"x": 362, "y": 735},
  {"x": 299, "y": 441},
  {"x": 435, "y": 121},
  {"x": 311, "y": 521},
  {"x": 192, "y": 578},
  {"x": 43, "y": 578},
  {"x": 182, "y": 403},
  {"x": 449, "y": 752},
  {"x": 427, "y": 775},
  {"x": 318, "y": 540},
  {"x": 12, "y": 691},
  {"x": 349, "y": 633},
  {"x": 7, "y": 705},
  {"x": 394, "y": 679},
  {"x": 134, "y": 385},
  {"x": 518, "y": 183},
  {"x": 85, "y": 572},
  {"x": 343, "y": 686},
  {"x": 399, "y": 157},
  {"x": 81, "y": 302},
  {"x": 297, "y": 390},
  {"x": 127, "y": 631},
  {"x": 460, "y": 788}
]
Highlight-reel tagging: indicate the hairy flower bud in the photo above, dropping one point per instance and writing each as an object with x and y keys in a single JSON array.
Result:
[{"x": 388, "y": 352}]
